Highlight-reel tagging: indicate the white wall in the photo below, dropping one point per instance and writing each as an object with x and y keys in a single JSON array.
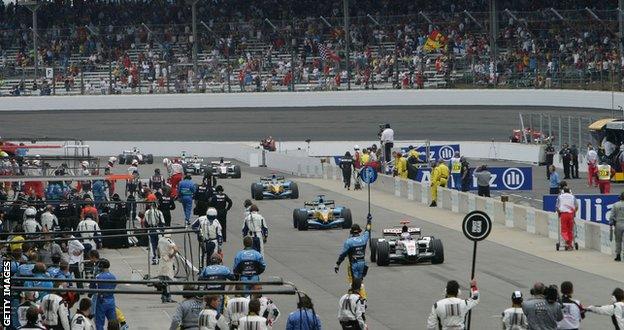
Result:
[{"x": 498, "y": 97}]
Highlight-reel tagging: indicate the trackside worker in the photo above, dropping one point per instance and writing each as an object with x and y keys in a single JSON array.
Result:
[
  {"x": 592, "y": 162},
  {"x": 605, "y": 173},
  {"x": 450, "y": 312},
  {"x": 616, "y": 221},
  {"x": 167, "y": 251},
  {"x": 439, "y": 178},
  {"x": 105, "y": 302},
  {"x": 567, "y": 205},
  {"x": 365, "y": 157},
  {"x": 55, "y": 310},
  {"x": 514, "y": 318},
  {"x": 82, "y": 319},
  {"x": 222, "y": 203},
  {"x": 153, "y": 220},
  {"x": 355, "y": 248},
  {"x": 352, "y": 308},
  {"x": 346, "y": 165},
  {"x": 186, "y": 315},
  {"x": 255, "y": 226},
  {"x": 615, "y": 309},
  {"x": 236, "y": 308},
  {"x": 176, "y": 171},
  {"x": 253, "y": 320},
  {"x": 268, "y": 309},
  {"x": 455, "y": 165},
  {"x": 216, "y": 271},
  {"x": 400, "y": 165},
  {"x": 186, "y": 190},
  {"x": 304, "y": 318}
]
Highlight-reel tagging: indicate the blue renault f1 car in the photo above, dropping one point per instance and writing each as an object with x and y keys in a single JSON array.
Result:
[
  {"x": 322, "y": 214},
  {"x": 274, "y": 187}
]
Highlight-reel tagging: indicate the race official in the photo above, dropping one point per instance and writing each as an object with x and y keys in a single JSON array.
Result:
[
  {"x": 387, "y": 141},
  {"x": 592, "y": 165},
  {"x": 514, "y": 318},
  {"x": 439, "y": 178},
  {"x": 550, "y": 157},
  {"x": 346, "y": 165},
  {"x": 90, "y": 238},
  {"x": 166, "y": 204},
  {"x": 185, "y": 193},
  {"x": 554, "y": 181},
  {"x": 466, "y": 175},
  {"x": 450, "y": 312},
  {"x": 615, "y": 309},
  {"x": 352, "y": 308},
  {"x": 604, "y": 174},
  {"x": 400, "y": 165},
  {"x": 223, "y": 204},
  {"x": 567, "y": 205},
  {"x": 256, "y": 228},
  {"x": 455, "y": 164},
  {"x": 616, "y": 221},
  {"x": 355, "y": 249},
  {"x": 210, "y": 318},
  {"x": 202, "y": 196},
  {"x": 210, "y": 234}
]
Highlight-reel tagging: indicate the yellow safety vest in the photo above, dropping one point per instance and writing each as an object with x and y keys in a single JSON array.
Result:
[
  {"x": 604, "y": 172},
  {"x": 364, "y": 159},
  {"x": 455, "y": 165}
]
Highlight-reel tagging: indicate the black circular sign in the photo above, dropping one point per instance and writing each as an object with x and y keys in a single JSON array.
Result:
[{"x": 477, "y": 225}]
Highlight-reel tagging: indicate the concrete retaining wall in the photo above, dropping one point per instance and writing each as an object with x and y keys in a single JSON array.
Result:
[
  {"x": 485, "y": 97},
  {"x": 589, "y": 235}
]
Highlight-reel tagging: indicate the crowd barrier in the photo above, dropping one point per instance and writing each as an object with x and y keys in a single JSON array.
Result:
[
  {"x": 366, "y": 98},
  {"x": 589, "y": 235}
]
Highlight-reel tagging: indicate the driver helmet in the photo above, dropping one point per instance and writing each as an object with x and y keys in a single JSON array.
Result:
[
  {"x": 112, "y": 160},
  {"x": 135, "y": 162},
  {"x": 85, "y": 163},
  {"x": 211, "y": 212}
]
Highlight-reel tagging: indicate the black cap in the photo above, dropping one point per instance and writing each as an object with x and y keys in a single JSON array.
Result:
[
  {"x": 355, "y": 229},
  {"x": 104, "y": 263}
]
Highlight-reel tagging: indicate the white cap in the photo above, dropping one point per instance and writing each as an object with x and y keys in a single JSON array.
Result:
[
  {"x": 135, "y": 162},
  {"x": 356, "y": 147},
  {"x": 211, "y": 212},
  {"x": 166, "y": 161},
  {"x": 112, "y": 159},
  {"x": 516, "y": 295},
  {"x": 30, "y": 212},
  {"x": 85, "y": 163}
]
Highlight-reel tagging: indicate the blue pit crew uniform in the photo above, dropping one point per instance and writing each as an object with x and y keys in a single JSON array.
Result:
[
  {"x": 99, "y": 192},
  {"x": 249, "y": 264},
  {"x": 39, "y": 280},
  {"x": 303, "y": 319},
  {"x": 186, "y": 190},
  {"x": 104, "y": 302},
  {"x": 216, "y": 273},
  {"x": 355, "y": 248}
]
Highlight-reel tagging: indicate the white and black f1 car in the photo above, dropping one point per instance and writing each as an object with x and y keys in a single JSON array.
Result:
[
  {"x": 403, "y": 244},
  {"x": 193, "y": 165},
  {"x": 274, "y": 187},
  {"x": 225, "y": 169},
  {"x": 322, "y": 214},
  {"x": 127, "y": 156}
]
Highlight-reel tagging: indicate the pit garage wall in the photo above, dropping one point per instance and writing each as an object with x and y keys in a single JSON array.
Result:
[
  {"x": 485, "y": 97},
  {"x": 589, "y": 235}
]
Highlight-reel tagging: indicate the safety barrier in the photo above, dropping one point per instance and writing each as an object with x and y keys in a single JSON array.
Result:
[
  {"x": 589, "y": 235},
  {"x": 367, "y": 98}
]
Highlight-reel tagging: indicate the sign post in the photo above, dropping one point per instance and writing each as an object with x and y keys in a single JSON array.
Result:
[
  {"x": 368, "y": 175},
  {"x": 476, "y": 226}
]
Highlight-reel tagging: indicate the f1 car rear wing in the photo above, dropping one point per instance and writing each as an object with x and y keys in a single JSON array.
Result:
[
  {"x": 398, "y": 230},
  {"x": 266, "y": 178},
  {"x": 316, "y": 203}
]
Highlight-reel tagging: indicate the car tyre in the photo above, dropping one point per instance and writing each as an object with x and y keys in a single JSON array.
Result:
[
  {"x": 383, "y": 253},
  {"x": 256, "y": 191},
  {"x": 345, "y": 213},
  {"x": 438, "y": 250},
  {"x": 302, "y": 223},
  {"x": 373, "y": 249},
  {"x": 294, "y": 191},
  {"x": 237, "y": 172}
]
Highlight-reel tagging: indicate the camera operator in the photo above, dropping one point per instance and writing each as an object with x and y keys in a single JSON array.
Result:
[
  {"x": 386, "y": 136},
  {"x": 544, "y": 310}
]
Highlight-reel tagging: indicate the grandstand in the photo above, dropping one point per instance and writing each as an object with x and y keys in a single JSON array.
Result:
[{"x": 130, "y": 47}]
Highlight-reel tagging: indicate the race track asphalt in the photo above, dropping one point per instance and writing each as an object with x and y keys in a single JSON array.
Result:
[
  {"x": 400, "y": 296},
  {"x": 460, "y": 123}
]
